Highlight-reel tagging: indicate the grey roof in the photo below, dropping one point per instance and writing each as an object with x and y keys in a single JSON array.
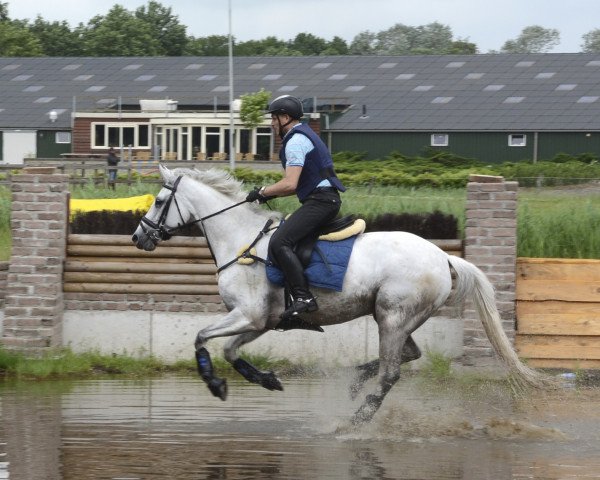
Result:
[{"x": 461, "y": 92}]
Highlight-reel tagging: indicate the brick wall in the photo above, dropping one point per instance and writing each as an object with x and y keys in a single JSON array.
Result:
[
  {"x": 143, "y": 302},
  {"x": 3, "y": 281},
  {"x": 491, "y": 244},
  {"x": 34, "y": 299}
]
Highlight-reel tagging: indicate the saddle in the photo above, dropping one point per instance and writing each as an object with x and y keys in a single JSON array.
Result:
[{"x": 336, "y": 230}]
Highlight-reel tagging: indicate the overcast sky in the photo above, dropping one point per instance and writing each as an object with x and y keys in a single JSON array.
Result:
[{"x": 488, "y": 23}]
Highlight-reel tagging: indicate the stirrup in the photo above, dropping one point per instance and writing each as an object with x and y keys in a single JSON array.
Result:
[
  {"x": 300, "y": 305},
  {"x": 296, "y": 322}
]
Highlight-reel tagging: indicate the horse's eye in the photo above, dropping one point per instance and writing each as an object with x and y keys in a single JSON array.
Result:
[{"x": 158, "y": 202}]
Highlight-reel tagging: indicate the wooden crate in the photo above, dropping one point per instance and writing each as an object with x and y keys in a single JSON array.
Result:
[{"x": 558, "y": 312}]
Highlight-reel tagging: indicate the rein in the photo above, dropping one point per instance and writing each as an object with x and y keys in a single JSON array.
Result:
[{"x": 162, "y": 232}]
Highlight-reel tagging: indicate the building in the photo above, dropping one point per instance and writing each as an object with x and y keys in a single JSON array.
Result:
[{"x": 493, "y": 107}]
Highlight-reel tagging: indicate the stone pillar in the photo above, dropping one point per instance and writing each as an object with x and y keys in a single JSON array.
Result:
[
  {"x": 491, "y": 244},
  {"x": 34, "y": 298}
]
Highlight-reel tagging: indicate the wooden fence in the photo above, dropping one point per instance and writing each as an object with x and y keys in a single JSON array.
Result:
[
  {"x": 182, "y": 265},
  {"x": 112, "y": 264},
  {"x": 558, "y": 312}
]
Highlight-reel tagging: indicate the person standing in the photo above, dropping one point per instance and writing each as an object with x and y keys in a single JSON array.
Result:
[
  {"x": 310, "y": 175},
  {"x": 113, "y": 160}
]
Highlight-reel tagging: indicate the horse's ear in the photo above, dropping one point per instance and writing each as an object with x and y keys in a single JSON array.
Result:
[{"x": 165, "y": 173}]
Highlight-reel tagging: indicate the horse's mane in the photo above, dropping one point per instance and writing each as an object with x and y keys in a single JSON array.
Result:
[
  {"x": 220, "y": 180},
  {"x": 223, "y": 182}
]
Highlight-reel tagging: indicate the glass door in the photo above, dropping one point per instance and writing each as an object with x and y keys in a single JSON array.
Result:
[{"x": 171, "y": 143}]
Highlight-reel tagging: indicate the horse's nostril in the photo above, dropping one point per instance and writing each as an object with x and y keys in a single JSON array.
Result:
[{"x": 134, "y": 238}]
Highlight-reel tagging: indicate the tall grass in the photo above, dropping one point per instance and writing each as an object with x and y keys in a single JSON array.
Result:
[{"x": 559, "y": 225}]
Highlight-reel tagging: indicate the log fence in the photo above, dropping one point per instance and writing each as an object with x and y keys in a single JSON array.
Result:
[{"x": 182, "y": 265}]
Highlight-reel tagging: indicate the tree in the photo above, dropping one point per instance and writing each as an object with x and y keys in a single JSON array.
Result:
[
  {"x": 363, "y": 43},
  {"x": 211, "y": 46},
  {"x": 119, "y": 33},
  {"x": 17, "y": 41},
  {"x": 533, "y": 39},
  {"x": 252, "y": 110},
  {"x": 56, "y": 39},
  {"x": 591, "y": 41},
  {"x": 337, "y": 46},
  {"x": 260, "y": 47},
  {"x": 432, "y": 39},
  {"x": 165, "y": 27},
  {"x": 308, "y": 44}
]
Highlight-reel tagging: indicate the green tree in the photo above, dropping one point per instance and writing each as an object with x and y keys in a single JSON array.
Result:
[
  {"x": 260, "y": 47},
  {"x": 252, "y": 110},
  {"x": 211, "y": 46},
  {"x": 364, "y": 43},
  {"x": 119, "y": 33},
  {"x": 164, "y": 27},
  {"x": 308, "y": 44},
  {"x": 591, "y": 41},
  {"x": 432, "y": 39},
  {"x": 337, "y": 46},
  {"x": 56, "y": 38},
  {"x": 533, "y": 39},
  {"x": 17, "y": 41},
  {"x": 462, "y": 47}
]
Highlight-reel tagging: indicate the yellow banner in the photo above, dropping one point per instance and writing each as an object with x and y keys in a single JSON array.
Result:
[{"x": 141, "y": 202}]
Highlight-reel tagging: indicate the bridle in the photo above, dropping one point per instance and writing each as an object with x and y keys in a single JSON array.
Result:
[{"x": 160, "y": 231}]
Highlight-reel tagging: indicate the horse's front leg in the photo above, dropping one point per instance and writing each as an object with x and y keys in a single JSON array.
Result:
[
  {"x": 267, "y": 380},
  {"x": 234, "y": 323}
]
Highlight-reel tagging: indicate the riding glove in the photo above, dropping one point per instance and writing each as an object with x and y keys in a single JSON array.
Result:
[{"x": 256, "y": 195}]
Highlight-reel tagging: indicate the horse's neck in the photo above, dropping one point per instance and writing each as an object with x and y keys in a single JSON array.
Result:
[{"x": 229, "y": 231}]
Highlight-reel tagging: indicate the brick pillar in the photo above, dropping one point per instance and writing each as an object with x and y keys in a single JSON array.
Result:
[
  {"x": 34, "y": 299},
  {"x": 491, "y": 244}
]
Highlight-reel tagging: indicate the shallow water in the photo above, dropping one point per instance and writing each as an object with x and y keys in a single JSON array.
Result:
[{"x": 171, "y": 428}]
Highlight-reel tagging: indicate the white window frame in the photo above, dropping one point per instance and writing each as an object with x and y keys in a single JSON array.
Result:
[
  {"x": 436, "y": 137},
  {"x": 517, "y": 140},
  {"x": 120, "y": 126},
  {"x": 66, "y": 137}
]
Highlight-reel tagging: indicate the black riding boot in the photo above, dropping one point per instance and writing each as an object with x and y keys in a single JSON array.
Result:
[{"x": 302, "y": 300}]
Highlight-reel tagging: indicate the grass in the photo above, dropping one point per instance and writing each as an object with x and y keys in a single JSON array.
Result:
[{"x": 60, "y": 364}]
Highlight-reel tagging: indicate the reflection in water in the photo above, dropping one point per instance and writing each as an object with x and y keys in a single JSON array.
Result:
[{"x": 171, "y": 428}]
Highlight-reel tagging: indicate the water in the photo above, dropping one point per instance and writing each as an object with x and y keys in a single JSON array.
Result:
[{"x": 171, "y": 428}]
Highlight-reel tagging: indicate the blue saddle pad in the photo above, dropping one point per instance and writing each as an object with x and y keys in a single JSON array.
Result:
[{"x": 327, "y": 266}]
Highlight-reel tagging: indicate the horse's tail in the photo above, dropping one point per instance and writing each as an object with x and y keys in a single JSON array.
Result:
[{"x": 472, "y": 282}]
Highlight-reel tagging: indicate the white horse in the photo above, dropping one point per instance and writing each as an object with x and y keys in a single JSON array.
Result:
[{"x": 399, "y": 278}]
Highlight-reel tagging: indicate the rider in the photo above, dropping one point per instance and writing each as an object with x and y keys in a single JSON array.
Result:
[{"x": 309, "y": 174}]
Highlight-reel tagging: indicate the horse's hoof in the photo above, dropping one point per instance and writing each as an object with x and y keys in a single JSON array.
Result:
[
  {"x": 218, "y": 387},
  {"x": 271, "y": 382}
]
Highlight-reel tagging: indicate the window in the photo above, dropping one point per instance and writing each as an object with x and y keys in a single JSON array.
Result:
[
  {"x": 439, "y": 139},
  {"x": 63, "y": 137},
  {"x": 517, "y": 140},
  {"x": 106, "y": 135}
]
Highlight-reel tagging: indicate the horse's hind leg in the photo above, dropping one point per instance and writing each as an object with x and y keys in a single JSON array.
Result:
[
  {"x": 410, "y": 352},
  {"x": 267, "y": 380}
]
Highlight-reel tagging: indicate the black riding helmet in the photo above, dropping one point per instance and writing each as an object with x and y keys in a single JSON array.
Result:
[{"x": 288, "y": 105}]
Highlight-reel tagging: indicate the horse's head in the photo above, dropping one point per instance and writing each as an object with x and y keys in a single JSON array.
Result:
[{"x": 164, "y": 216}]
